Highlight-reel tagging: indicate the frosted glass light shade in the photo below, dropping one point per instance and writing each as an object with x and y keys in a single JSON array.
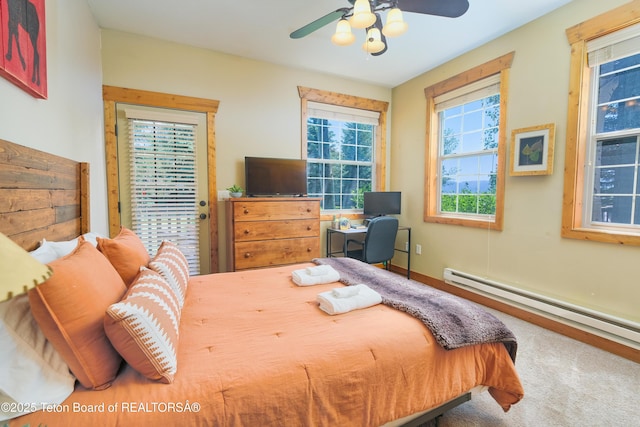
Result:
[
  {"x": 362, "y": 15},
  {"x": 19, "y": 271},
  {"x": 374, "y": 43},
  {"x": 395, "y": 25},
  {"x": 343, "y": 35}
]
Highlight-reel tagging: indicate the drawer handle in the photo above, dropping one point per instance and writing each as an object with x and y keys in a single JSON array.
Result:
[
  {"x": 247, "y": 255},
  {"x": 246, "y": 211},
  {"x": 308, "y": 249},
  {"x": 308, "y": 209},
  {"x": 308, "y": 228},
  {"x": 247, "y": 231}
]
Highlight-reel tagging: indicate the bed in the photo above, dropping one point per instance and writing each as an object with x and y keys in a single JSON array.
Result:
[{"x": 253, "y": 348}]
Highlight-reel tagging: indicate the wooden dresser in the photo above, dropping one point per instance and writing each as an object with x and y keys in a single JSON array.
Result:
[{"x": 268, "y": 231}]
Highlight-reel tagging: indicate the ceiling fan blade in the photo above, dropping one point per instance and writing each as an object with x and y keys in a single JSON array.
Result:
[
  {"x": 446, "y": 8},
  {"x": 378, "y": 25},
  {"x": 318, "y": 23}
]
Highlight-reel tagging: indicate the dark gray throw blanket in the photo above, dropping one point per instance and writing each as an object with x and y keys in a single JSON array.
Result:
[{"x": 453, "y": 321}]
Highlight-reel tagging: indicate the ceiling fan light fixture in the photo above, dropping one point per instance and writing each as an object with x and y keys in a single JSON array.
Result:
[
  {"x": 343, "y": 35},
  {"x": 362, "y": 15},
  {"x": 395, "y": 25},
  {"x": 374, "y": 43},
  {"x": 366, "y": 14}
]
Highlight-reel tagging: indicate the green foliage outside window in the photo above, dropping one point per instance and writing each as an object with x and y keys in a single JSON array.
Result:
[{"x": 484, "y": 204}]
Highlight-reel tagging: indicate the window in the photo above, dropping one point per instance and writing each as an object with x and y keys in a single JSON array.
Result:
[
  {"x": 344, "y": 144},
  {"x": 613, "y": 158},
  {"x": 602, "y": 177},
  {"x": 468, "y": 151},
  {"x": 340, "y": 155},
  {"x": 466, "y": 147}
]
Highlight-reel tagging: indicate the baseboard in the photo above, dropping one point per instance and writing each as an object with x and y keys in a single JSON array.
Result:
[{"x": 560, "y": 328}]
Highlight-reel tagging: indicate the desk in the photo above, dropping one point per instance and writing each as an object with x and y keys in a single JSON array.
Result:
[{"x": 352, "y": 231}]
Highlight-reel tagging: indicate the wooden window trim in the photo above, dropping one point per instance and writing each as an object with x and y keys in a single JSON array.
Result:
[
  {"x": 577, "y": 123},
  {"x": 112, "y": 95},
  {"x": 333, "y": 98},
  {"x": 500, "y": 65}
]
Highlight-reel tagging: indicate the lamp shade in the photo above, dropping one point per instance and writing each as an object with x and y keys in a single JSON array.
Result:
[
  {"x": 374, "y": 42},
  {"x": 395, "y": 25},
  {"x": 343, "y": 35},
  {"x": 19, "y": 271},
  {"x": 362, "y": 15}
]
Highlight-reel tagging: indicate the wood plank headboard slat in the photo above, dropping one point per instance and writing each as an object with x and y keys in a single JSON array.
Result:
[
  {"x": 42, "y": 195},
  {"x": 18, "y": 176},
  {"x": 18, "y": 155}
]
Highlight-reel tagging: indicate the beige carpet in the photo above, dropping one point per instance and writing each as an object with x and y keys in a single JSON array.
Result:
[{"x": 566, "y": 383}]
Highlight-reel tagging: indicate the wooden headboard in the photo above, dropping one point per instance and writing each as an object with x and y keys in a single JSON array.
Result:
[{"x": 41, "y": 196}]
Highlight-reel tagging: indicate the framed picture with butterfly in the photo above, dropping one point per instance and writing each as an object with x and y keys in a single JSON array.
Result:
[{"x": 23, "y": 47}]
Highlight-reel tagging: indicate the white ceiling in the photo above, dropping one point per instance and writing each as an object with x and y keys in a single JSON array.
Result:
[{"x": 259, "y": 29}]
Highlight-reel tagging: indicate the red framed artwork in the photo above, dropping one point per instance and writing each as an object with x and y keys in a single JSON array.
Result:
[{"x": 23, "y": 47}]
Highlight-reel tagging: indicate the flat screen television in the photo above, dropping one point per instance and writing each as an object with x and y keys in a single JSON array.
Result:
[
  {"x": 266, "y": 176},
  {"x": 377, "y": 203}
]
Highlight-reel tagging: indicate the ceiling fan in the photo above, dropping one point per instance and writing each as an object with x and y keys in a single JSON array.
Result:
[{"x": 376, "y": 44}]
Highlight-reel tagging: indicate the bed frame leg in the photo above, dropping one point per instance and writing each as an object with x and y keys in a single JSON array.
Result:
[{"x": 431, "y": 418}]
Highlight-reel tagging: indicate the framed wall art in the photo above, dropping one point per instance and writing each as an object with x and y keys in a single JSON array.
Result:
[
  {"x": 532, "y": 150},
  {"x": 23, "y": 47}
]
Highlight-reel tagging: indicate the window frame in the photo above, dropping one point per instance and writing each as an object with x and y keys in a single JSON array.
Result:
[
  {"x": 578, "y": 122},
  {"x": 500, "y": 65},
  {"x": 380, "y": 139}
]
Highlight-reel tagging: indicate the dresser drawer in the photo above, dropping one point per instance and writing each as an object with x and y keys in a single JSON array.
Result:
[
  {"x": 267, "y": 253},
  {"x": 276, "y": 210},
  {"x": 261, "y": 230}
]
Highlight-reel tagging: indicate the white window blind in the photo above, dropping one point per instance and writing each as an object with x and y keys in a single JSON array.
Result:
[
  {"x": 622, "y": 43},
  {"x": 163, "y": 185},
  {"x": 344, "y": 114},
  {"x": 468, "y": 93}
]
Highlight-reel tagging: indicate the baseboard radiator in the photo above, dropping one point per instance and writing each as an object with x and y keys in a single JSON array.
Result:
[{"x": 616, "y": 329}]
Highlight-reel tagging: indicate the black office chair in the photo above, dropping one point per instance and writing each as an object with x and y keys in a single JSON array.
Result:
[{"x": 379, "y": 242}]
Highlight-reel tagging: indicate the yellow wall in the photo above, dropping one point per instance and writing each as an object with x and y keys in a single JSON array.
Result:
[{"x": 529, "y": 252}]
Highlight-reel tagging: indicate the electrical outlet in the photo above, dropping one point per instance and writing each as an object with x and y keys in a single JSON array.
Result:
[
  {"x": 406, "y": 246},
  {"x": 223, "y": 194},
  {"x": 418, "y": 249}
]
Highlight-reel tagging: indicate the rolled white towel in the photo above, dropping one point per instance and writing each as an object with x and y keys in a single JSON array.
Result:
[
  {"x": 366, "y": 297},
  {"x": 346, "y": 292},
  {"x": 319, "y": 270},
  {"x": 302, "y": 278}
]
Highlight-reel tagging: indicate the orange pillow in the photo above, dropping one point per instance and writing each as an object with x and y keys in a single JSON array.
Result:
[
  {"x": 70, "y": 307},
  {"x": 143, "y": 327},
  {"x": 126, "y": 253},
  {"x": 171, "y": 263}
]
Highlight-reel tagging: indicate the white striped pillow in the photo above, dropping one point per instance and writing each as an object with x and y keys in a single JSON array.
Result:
[
  {"x": 143, "y": 327},
  {"x": 171, "y": 263}
]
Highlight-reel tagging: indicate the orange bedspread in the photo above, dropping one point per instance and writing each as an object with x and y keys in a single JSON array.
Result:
[{"x": 255, "y": 349}]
